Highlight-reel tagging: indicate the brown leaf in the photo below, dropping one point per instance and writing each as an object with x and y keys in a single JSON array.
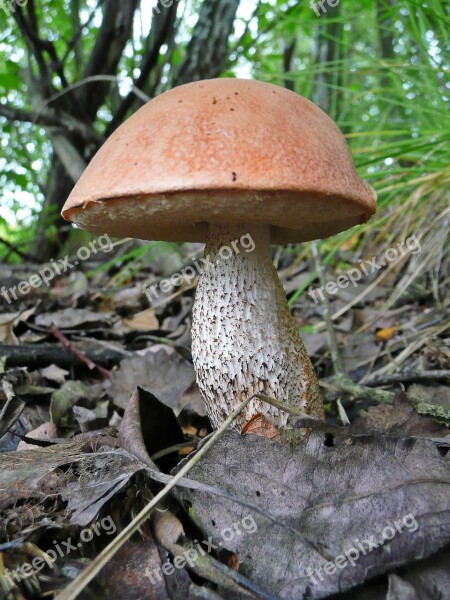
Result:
[
  {"x": 259, "y": 425},
  {"x": 332, "y": 490},
  {"x": 165, "y": 375},
  {"x": 142, "y": 321},
  {"x": 7, "y": 322},
  {"x": 74, "y": 318},
  {"x": 44, "y": 432},
  {"x": 149, "y": 426},
  {"x": 135, "y": 573},
  {"x": 9, "y": 414}
]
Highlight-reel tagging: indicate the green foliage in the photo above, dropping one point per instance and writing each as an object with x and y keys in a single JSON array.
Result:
[{"x": 382, "y": 78}]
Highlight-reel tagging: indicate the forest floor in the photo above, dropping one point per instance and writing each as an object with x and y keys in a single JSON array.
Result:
[{"x": 80, "y": 460}]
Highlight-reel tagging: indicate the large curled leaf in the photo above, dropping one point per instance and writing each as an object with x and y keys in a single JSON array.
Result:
[{"x": 336, "y": 491}]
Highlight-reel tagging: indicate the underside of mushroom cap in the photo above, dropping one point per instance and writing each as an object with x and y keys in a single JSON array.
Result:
[{"x": 221, "y": 151}]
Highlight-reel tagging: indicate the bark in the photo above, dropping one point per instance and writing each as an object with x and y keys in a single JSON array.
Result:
[
  {"x": 288, "y": 63},
  {"x": 208, "y": 48},
  {"x": 162, "y": 32},
  {"x": 113, "y": 36}
]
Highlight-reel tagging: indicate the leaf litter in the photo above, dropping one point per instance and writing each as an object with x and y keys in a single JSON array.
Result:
[{"x": 65, "y": 465}]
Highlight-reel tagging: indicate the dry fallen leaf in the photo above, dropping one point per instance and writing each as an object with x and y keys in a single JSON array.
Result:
[
  {"x": 333, "y": 491},
  {"x": 166, "y": 375},
  {"x": 9, "y": 413},
  {"x": 7, "y": 323},
  {"x": 135, "y": 573},
  {"x": 259, "y": 425},
  {"x": 75, "y": 318},
  {"x": 54, "y": 374},
  {"x": 149, "y": 426},
  {"x": 71, "y": 472},
  {"x": 143, "y": 321},
  {"x": 44, "y": 432},
  {"x": 398, "y": 419}
]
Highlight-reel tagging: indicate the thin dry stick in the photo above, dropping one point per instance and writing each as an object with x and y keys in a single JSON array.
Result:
[
  {"x": 342, "y": 414},
  {"x": 369, "y": 288},
  {"x": 20, "y": 253},
  {"x": 395, "y": 295},
  {"x": 438, "y": 374},
  {"x": 407, "y": 280},
  {"x": 400, "y": 359},
  {"x": 74, "y": 350},
  {"x": 80, "y": 582},
  {"x": 343, "y": 382},
  {"x": 375, "y": 283},
  {"x": 91, "y": 79}
]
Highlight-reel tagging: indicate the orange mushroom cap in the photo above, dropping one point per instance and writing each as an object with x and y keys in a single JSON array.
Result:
[{"x": 222, "y": 151}]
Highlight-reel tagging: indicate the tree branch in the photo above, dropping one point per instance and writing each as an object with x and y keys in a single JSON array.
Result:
[
  {"x": 62, "y": 120},
  {"x": 46, "y": 45},
  {"x": 76, "y": 36},
  {"x": 115, "y": 30},
  {"x": 34, "y": 49},
  {"x": 437, "y": 375},
  {"x": 67, "y": 154},
  {"x": 288, "y": 59},
  {"x": 163, "y": 25},
  {"x": 20, "y": 253}
]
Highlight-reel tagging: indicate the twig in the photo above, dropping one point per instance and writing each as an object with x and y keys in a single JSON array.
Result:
[
  {"x": 67, "y": 344},
  {"x": 342, "y": 414},
  {"x": 20, "y": 253},
  {"x": 60, "y": 120},
  {"x": 36, "y": 356},
  {"x": 406, "y": 353},
  {"x": 408, "y": 377},
  {"x": 87, "y": 80},
  {"x": 342, "y": 381}
]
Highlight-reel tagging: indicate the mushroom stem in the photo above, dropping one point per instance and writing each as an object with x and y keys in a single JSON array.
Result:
[{"x": 244, "y": 339}]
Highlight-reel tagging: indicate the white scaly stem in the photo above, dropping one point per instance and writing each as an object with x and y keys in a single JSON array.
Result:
[{"x": 244, "y": 339}]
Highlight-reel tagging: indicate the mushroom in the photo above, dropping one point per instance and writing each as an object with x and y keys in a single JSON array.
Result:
[{"x": 223, "y": 161}]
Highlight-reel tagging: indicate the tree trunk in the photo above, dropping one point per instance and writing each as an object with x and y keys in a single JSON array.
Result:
[{"x": 207, "y": 50}]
